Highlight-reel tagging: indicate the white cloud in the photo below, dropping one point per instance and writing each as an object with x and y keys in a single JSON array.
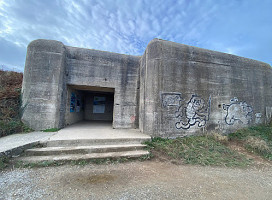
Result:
[{"x": 126, "y": 26}]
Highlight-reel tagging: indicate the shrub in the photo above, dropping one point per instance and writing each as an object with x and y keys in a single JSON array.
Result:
[{"x": 10, "y": 91}]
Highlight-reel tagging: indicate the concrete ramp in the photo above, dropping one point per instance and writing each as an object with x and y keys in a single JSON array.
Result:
[{"x": 89, "y": 140}]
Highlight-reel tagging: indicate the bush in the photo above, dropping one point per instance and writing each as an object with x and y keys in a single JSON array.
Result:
[{"x": 10, "y": 91}]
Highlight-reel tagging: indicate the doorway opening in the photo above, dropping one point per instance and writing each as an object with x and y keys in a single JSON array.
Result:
[{"x": 89, "y": 104}]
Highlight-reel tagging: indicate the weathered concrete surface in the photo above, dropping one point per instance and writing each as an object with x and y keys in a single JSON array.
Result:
[
  {"x": 172, "y": 90},
  {"x": 186, "y": 90},
  {"x": 87, "y": 67},
  {"x": 95, "y": 130},
  {"x": 74, "y": 117},
  {"x": 43, "y": 85},
  {"x": 48, "y": 151},
  {"x": 51, "y": 66},
  {"x": 14, "y": 145},
  {"x": 85, "y": 141},
  {"x": 84, "y": 156}
]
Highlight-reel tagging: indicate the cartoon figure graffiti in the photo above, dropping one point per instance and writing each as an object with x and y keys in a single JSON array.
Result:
[
  {"x": 171, "y": 99},
  {"x": 237, "y": 112},
  {"x": 196, "y": 112}
]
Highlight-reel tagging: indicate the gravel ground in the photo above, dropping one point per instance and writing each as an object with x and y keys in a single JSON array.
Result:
[{"x": 136, "y": 180}]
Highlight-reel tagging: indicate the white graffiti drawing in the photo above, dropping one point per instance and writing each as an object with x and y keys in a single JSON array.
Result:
[
  {"x": 195, "y": 112},
  {"x": 258, "y": 118},
  {"x": 171, "y": 99},
  {"x": 237, "y": 111}
]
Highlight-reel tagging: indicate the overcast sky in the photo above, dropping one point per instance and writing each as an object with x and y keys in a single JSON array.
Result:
[{"x": 240, "y": 27}]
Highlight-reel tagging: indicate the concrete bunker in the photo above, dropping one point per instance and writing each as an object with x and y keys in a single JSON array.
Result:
[
  {"x": 172, "y": 90},
  {"x": 89, "y": 103}
]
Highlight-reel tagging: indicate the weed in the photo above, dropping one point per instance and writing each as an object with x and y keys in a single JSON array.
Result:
[
  {"x": 219, "y": 137},
  {"x": 4, "y": 162},
  {"x": 51, "y": 130},
  {"x": 202, "y": 150},
  {"x": 264, "y": 132},
  {"x": 37, "y": 164},
  {"x": 10, "y": 91},
  {"x": 257, "y": 139},
  {"x": 146, "y": 157}
]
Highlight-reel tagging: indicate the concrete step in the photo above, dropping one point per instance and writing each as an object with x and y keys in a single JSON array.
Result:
[
  {"x": 76, "y": 157},
  {"x": 83, "y": 149},
  {"x": 88, "y": 142}
]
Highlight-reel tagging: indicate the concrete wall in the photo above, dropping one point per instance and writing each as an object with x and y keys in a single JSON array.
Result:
[
  {"x": 187, "y": 90},
  {"x": 77, "y": 115},
  {"x": 89, "y": 103},
  {"x": 87, "y": 67},
  {"x": 43, "y": 91},
  {"x": 172, "y": 90},
  {"x": 51, "y": 66}
]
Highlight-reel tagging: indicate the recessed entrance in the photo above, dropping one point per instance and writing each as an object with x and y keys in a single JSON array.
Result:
[{"x": 87, "y": 103}]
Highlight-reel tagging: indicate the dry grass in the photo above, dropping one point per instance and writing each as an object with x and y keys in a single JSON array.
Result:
[
  {"x": 200, "y": 150},
  {"x": 219, "y": 137},
  {"x": 10, "y": 90},
  {"x": 257, "y": 144},
  {"x": 10, "y": 84}
]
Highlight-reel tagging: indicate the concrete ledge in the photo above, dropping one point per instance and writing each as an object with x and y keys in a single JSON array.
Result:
[
  {"x": 16, "y": 151},
  {"x": 14, "y": 145}
]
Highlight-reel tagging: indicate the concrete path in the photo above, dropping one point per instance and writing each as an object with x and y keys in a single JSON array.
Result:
[
  {"x": 15, "y": 144},
  {"x": 96, "y": 130}
]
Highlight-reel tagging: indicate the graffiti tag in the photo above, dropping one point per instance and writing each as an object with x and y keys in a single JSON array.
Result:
[
  {"x": 237, "y": 111},
  {"x": 171, "y": 99},
  {"x": 195, "y": 112}
]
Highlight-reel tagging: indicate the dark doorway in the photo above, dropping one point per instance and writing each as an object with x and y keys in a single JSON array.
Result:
[
  {"x": 98, "y": 106},
  {"x": 89, "y": 104}
]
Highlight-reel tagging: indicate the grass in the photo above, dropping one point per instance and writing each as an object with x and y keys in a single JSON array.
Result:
[
  {"x": 213, "y": 149},
  {"x": 209, "y": 150},
  {"x": 257, "y": 139},
  {"x": 4, "y": 162},
  {"x": 97, "y": 161},
  {"x": 198, "y": 150},
  {"x": 13, "y": 126},
  {"x": 51, "y": 130}
]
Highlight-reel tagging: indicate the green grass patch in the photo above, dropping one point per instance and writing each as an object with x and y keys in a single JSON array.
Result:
[
  {"x": 51, "y": 130},
  {"x": 257, "y": 139},
  {"x": 4, "y": 162},
  {"x": 13, "y": 126},
  {"x": 36, "y": 165},
  {"x": 201, "y": 150}
]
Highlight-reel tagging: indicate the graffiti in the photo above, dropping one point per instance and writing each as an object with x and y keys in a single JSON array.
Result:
[
  {"x": 258, "y": 118},
  {"x": 171, "y": 99},
  {"x": 237, "y": 112},
  {"x": 195, "y": 112},
  {"x": 132, "y": 118}
]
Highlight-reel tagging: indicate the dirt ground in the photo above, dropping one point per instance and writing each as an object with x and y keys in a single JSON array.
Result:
[{"x": 137, "y": 180}]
